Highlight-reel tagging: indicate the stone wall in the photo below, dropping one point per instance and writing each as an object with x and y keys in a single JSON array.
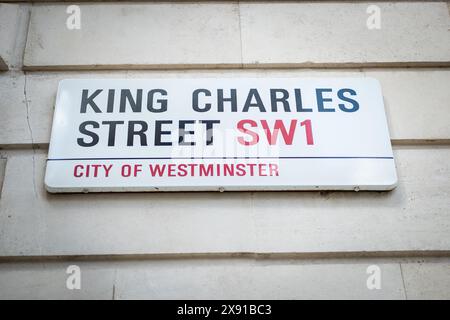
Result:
[{"x": 237, "y": 244}]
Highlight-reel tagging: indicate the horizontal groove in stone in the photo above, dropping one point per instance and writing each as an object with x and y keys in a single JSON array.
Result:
[
  {"x": 234, "y": 255},
  {"x": 420, "y": 142},
  {"x": 134, "y": 67},
  {"x": 32, "y": 70},
  {"x": 299, "y": 66},
  {"x": 205, "y": 1}
]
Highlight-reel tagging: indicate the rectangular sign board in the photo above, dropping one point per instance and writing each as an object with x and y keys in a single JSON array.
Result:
[{"x": 219, "y": 134}]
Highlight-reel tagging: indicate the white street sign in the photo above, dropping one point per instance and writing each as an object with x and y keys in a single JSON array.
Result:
[{"x": 220, "y": 134}]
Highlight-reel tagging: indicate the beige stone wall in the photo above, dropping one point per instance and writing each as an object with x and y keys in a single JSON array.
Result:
[{"x": 238, "y": 244}]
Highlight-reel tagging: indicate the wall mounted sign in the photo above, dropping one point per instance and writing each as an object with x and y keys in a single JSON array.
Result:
[{"x": 220, "y": 134}]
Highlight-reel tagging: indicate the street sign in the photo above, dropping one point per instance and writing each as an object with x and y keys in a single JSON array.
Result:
[{"x": 220, "y": 134}]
